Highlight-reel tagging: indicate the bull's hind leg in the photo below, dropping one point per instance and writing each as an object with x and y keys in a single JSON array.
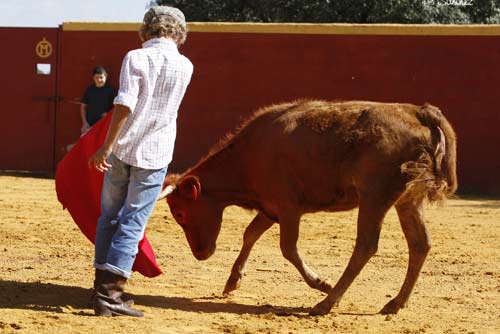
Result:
[
  {"x": 289, "y": 235},
  {"x": 370, "y": 218},
  {"x": 411, "y": 217},
  {"x": 253, "y": 232}
]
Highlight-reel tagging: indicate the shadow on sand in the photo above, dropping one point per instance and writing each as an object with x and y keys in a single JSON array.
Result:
[{"x": 49, "y": 297}]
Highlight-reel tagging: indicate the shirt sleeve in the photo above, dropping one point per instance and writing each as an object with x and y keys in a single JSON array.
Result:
[
  {"x": 111, "y": 98},
  {"x": 85, "y": 98},
  {"x": 130, "y": 79}
]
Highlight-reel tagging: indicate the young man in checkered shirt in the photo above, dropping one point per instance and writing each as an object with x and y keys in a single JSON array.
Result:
[{"x": 137, "y": 150}]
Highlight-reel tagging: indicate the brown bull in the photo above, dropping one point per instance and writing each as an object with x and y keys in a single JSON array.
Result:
[{"x": 310, "y": 156}]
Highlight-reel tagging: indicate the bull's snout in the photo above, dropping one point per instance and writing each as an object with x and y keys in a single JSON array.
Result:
[{"x": 202, "y": 255}]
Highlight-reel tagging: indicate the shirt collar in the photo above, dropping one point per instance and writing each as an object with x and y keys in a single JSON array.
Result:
[{"x": 160, "y": 42}]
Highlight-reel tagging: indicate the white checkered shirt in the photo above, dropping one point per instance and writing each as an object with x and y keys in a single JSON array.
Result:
[{"x": 153, "y": 81}]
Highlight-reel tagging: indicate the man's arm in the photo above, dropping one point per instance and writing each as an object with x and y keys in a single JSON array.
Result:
[
  {"x": 83, "y": 115},
  {"x": 98, "y": 160}
]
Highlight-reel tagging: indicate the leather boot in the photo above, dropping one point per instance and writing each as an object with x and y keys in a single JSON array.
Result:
[
  {"x": 108, "y": 300},
  {"x": 99, "y": 276}
]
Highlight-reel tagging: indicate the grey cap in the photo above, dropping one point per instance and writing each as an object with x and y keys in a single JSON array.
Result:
[{"x": 167, "y": 10}]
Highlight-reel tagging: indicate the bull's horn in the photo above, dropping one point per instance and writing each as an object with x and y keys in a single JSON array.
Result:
[{"x": 165, "y": 192}]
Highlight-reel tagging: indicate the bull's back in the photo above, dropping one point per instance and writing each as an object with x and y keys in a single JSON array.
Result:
[{"x": 320, "y": 153}]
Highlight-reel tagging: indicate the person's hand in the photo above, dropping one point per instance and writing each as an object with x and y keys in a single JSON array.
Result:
[
  {"x": 85, "y": 127},
  {"x": 98, "y": 160}
]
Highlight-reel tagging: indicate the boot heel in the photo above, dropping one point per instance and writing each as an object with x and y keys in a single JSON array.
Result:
[{"x": 101, "y": 309}]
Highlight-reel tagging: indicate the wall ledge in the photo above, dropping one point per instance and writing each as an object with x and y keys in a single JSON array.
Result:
[{"x": 306, "y": 28}]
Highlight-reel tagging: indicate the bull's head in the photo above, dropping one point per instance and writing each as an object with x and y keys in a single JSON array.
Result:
[{"x": 199, "y": 216}]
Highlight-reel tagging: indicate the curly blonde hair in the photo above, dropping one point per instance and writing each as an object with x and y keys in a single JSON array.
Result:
[{"x": 162, "y": 26}]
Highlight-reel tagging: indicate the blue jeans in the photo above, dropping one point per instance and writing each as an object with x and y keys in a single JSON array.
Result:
[{"x": 127, "y": 199}]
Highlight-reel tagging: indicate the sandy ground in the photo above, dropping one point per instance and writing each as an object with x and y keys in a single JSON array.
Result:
[{"x": 45, "y": 274}]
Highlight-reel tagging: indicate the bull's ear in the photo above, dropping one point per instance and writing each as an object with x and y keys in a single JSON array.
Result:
[{"x": 190, "y": 187}]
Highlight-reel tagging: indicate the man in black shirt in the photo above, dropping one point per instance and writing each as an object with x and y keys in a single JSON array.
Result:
[{"x": 98, "y": 99}]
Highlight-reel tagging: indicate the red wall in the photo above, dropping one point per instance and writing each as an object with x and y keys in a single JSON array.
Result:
[
  {"x": 236, "y": 73},
  {"x": 28, "y": 104}
]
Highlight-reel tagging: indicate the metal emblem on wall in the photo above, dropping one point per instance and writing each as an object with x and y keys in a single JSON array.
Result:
[{"x": 44, "y": 48}]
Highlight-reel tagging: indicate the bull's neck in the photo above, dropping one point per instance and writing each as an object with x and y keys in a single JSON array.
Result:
[{"x": 224, "y": 177}]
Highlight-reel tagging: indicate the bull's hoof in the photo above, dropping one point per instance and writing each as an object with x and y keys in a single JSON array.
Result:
[
  {"x": 233, "y": 283},
  {"x": 391, "y": 307},
  {"x": 321, "y": 308}
]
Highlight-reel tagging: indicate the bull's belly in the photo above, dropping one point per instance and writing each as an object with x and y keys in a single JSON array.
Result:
[{"x": 340, "y": 200}]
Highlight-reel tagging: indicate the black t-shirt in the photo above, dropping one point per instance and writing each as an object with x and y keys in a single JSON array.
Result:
[{"x": 98, "y": 101}]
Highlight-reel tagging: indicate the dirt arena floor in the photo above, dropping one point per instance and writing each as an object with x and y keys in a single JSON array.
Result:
[{"x": 46, "y": 272}]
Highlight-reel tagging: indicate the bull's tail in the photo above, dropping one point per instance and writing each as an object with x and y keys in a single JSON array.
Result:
[{"x": 439, "y": 159}]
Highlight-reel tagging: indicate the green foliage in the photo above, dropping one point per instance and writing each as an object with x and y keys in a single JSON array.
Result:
[{"x": 339, "y": 11}]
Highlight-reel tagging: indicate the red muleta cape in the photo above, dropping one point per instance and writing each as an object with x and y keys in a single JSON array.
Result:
[{"x": 78, "y": 189}]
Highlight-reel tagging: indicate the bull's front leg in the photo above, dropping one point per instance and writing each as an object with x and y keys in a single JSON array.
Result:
[
  {"x": 289, "y": 235},
  {"x": 253, "y": 232}
]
